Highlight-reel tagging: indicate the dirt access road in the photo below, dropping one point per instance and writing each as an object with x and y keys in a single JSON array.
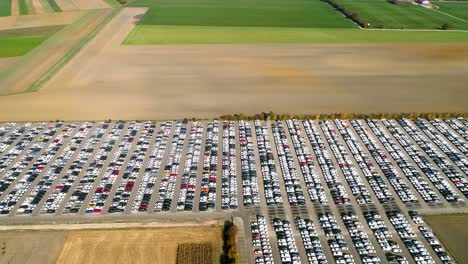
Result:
[{"x": 109, "y": 80}]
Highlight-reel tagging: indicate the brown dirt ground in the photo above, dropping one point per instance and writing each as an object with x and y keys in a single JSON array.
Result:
[
  {"x": 47, "y": 19},
  {"x": 14, "y": 8},
  {"x": 109, "y": 80},
  {"x": 156, "y": 246},
  {"x": 38, "y": 247},
  {"x": 5, "y": 62},
  {"x": 38, "y": 8},
  {"x": 68, "y": 5}
]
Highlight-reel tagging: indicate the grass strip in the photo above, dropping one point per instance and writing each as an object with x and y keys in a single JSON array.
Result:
[
  {"x": 54, "y": 6},
  {"x": 147, "y": 35},
  {"x": 23, "y": 8},
  {"x": 113, "y": 3},
  {"x": 47, "y": 7},
  {"x": 18, "y": 46},
  {"x": 62, "y": 62},
  {"x": 5, "y": 7}
]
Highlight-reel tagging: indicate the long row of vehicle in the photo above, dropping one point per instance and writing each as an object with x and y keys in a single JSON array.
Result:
[
  {"x": 460, "y": 159},
  {"x": 381, "y": 190},
  {"x": 210, "y": 168},
  {"x": 315, "y": 188},
  {"x": 188, "y": 182},
  {"x": 360, "y": 239},
  {"x": 336, "y": 241},
  {"x": 458, "y": 127},
  {"x": 288, "y": 168},
  {"x": 399, "y": 185},
  {"x": 171, "y": 169},
  {"x": 311, "y": 241},
  {"x": 287, "y": 246},
  {"x": 9, "y": 134},
  {"x": 144, "y": 193},
  {"x": 250, "y": 190},
  {"x": 453, "y": 137},
  {"x": 436, "y": 156},
  {"x": 229, "y": 167},
  {"x": 271, "y": 185},
  {"x": 409, "y": 170},
  {"x": 329, "y": 171},
  {"x": 350, "y": 173},
  {"x": 261, "y": 241}
]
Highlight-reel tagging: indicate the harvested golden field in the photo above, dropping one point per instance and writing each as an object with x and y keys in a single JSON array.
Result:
[
  {"x": 38, "y": 247},
  {"x": 452, "y": 230},
  {"x": 200, "y": 253},
  {"x": 135, "y": 245}
]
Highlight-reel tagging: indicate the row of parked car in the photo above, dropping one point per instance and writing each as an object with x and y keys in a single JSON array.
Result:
[
  {"x": 458, "y": 127},
  {"x": 431, "y": 238},
  {"x": 250, "y": 189},
  {"x": 360, "y": 239},
  {"x": 436, "y": 156},
  {"x": 329, "y": 171},
  {"x": 338, "y": 246},
  {"x": 69, "y": 179},
  {"x": 437, "y": 137},
  {"x": 384, "y": 237},
  {"x": 403, "y": 191},
  {"x": 261, "y": 241},
  {"x": 15, "y": 184},
  {"x": 229, "y": 167},
  {"x": 9, "y": 133},
  {"x": 452, "y": 136},
  {"x": 350, "y": 173},
  {"x": 188, "y": 182},
  {"x": 366, "y": 165},
  {"x": 433, "y": 174},
  {"x": 415, "y": 247},
  {"x": 311, "y": 241},
  {"x": 210, "y": 168},
  {"x": 271, "y": 185},
  {"x": 41, "y": 188},
  {"x": 287, "y": 165},
  {"x": 287, "y": 246},
  {"x": 409, "y": 170},
  {"x": 314, "y": 187},
  {"x": 171, "y": 169}
]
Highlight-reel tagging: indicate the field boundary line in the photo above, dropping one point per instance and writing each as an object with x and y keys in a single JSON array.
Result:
[{"x": 36, "y": 86}]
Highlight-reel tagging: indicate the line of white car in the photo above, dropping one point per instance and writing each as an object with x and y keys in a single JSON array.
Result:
[
  {"x": 229, "y": 167},
  {"x": 336, "y": 242},
  {"x": 311, "y": 241},
  {"x": 261, "y": 241},
  {"x": 250, "y": 189},
  {"x": 360, "y": 238},
  {"x": 286, "y": 243},
  {"x": 210, "y": 168}
]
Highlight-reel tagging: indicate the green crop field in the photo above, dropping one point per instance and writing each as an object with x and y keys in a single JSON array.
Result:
[
  {"x": 17, "y": 42},
  {"x": 18, "y": 46},
  {"x": 382, "y": 14},
  {"x": 455, "y": 9},
  {"x": 243, "y": 13},
  {"x": 5, "y": 7},
  {"x": 145, "y": 34}
]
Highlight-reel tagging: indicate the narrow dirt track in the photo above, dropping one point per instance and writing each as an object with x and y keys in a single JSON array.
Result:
[
  {"x": 14, "y": 9},
  {"x": 40, "y": 20},
  {"x": 38, "y": 8}
]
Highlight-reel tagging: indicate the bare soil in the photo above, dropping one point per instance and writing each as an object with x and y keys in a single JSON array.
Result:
[
  {"x": 38, "y": 247},
  {"x": 109, "y": 80},
  {"x": 5, "y": 62},
  {"x": 69, "y": 5}
]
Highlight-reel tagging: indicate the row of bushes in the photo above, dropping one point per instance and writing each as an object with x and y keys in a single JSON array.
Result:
[
  {"x": 349, "y": 14},
  {"x": 230, "y": 254},
  {"x": 275, "y": 116}
]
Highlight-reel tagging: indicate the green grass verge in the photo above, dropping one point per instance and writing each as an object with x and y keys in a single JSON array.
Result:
[
  {"x": 144, "y": 34},
  {"x": 5, "y": 7},
  {"x": 455, "y": 9},
  {"x": 47, "y": 7},
  {"x": 452, "y": 231},
  {"x": 18, "y": 46},
  {"x": 238, "y": 13},
  {"x": 382, "y": 14},
  {"x": 113, "y": 3},
  {"x": 54, "y": 6},
  {"x": 23, "y": 7}
]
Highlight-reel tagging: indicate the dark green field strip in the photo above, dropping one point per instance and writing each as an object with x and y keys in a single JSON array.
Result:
[
  {"x": 5, "y": 7},
  {"x": 23, "y": 7},
  {"x": 29, "y": 32},
  {"x": 54, "y": 6},
  {"x": 18, "y": 46},
  {"x": 455, "y": 9},
  {"x": 241, "y": 13},
  {"x": 382, "y": 14}
]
